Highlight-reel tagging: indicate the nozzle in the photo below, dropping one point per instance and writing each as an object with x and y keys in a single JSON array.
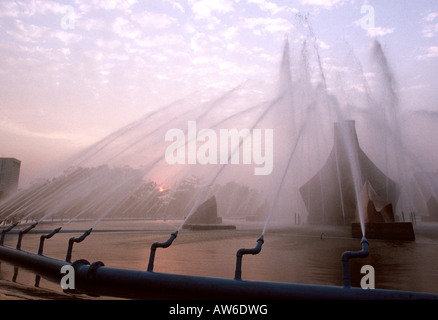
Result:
[
  {"x": 23, "y": 232},
  {"x": 347, "y": 255},
  {"x": 156, "y": 245},
  {"x": 47, "y": 236},
  {"x": 71, "y": 241},
  {"x": 4, "y": 231},
  {"x": 241, "y": 252}
]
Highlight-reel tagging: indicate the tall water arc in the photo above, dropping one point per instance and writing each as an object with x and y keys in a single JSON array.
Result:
[
  {"x": 299, "y": 149},
  {"x": 124, "y": 172}
]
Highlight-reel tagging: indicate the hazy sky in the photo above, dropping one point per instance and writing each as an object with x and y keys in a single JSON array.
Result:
[{"x": 71, "y": 72}]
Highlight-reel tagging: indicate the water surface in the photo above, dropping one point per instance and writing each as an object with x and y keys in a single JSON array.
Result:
[{"x": 301, "y": 254}]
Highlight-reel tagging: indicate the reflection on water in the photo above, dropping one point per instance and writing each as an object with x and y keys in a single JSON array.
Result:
[{"x": 298, "y": 255}]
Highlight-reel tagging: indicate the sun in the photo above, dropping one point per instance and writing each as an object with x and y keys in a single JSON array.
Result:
[{"x": 161, "y": 189}]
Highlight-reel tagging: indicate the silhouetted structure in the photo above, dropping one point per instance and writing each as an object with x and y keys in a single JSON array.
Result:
[
  {"x": 9, "y": 176},
  {"x": 205, "y": 217},
  {"x": 432, "y": 208},
  {"x": 206, "y": 213},
  {"x": 330, "y": 195}
]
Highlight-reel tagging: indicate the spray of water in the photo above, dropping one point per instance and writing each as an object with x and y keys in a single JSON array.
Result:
[{"x": 122, "y": 173}]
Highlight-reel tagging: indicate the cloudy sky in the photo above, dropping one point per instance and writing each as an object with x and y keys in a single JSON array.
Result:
[{"x": 72, "y": 72}]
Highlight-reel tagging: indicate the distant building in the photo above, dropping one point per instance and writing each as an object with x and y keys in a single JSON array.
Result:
[{"x": 9, "y": 175}]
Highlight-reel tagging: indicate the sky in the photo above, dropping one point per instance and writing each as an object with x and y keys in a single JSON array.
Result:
[{"x": 72, "y": 72}]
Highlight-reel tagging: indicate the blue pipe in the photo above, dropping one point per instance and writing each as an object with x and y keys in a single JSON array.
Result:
[
  {"x": 347, "y": 255},
  {"x": 23, "y": 232},
  {"x": 156, "y": 245},
  {"x": 73, "y": 240},
  {"x": 241, "y": 252},
  {"x": 96, "y": 279},
  {"x": 47, "y": 236},
  {"x": 4, "y": 231}
]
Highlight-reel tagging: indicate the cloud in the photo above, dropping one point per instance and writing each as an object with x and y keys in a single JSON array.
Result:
[
  {"x": 122, "y": 5},
  {"x": 414, "y": 87},
  {"x": 18, "y": 129},
  {"x": 176, "y": 5},
  {"x": 10, "y": 9},
  {"x": 125, "y": 29},
  {"x": 270, "y": 25},
  {"x": 26, "y": 32},
  {"x": 428, "y": 53},
  {"x": 326, "y": 4},
  {"x": 429, "y": 25},
  {"x": 153, "y": 20},
  {"x": 271, "y": 7},
  {"x": 93, "y": 24},
  {"x": 379, "y": 31},
  {"x": 204, "y": 9},
  {"x": 161, "y": 41},
  {"x": 37, "y": 7},
  {"x": 67, "y": 38},
  {"x": 229, "y": 33},
  {"x": 430, "y": 17}
]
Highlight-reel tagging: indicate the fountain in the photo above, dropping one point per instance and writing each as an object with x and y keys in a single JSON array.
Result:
[
  {"x": 213, "y": 156},
  {"x": 338, "y": 206}
]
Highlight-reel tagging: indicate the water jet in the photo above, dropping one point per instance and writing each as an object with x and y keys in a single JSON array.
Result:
[
  {"x": 338, "y": 206},
  {"x": 299, "y": 113}
]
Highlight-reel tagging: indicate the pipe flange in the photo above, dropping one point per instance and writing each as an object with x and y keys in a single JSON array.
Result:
[
  {"x": 91, "y": 274},
  {"x": 79, "y": 263},
  {"x": 76, "y": 265}
]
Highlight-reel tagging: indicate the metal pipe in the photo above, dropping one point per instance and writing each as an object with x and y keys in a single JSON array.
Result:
[
  {"x": 73, "y": 240},
  {"x": 46, "y": 236},
  {"x": 23, "y": 232},
  {"x": 156, "y": 245},
  {"x": 4, "y": 231},
  {"x": 47, "y": 267},
  {"x": 97, "y": 279},
  {"x": 347, "y": 255},
  {"x": 94, "y": 230},
  {"x": 241, "y": 252}
]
